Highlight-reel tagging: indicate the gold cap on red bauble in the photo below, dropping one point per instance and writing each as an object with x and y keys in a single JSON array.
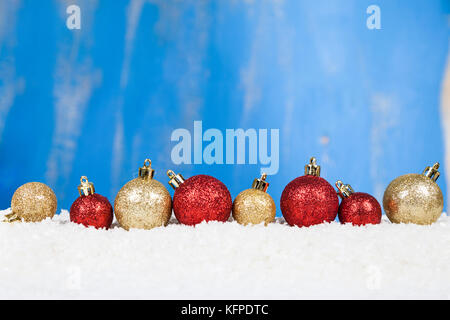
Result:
[
  {"x": 312, "y": 168},
  {"x": 175, "y": 179},
  {"x": 86, "y": 188}
]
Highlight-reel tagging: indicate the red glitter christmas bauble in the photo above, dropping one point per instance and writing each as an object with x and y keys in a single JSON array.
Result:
[
  {"x": 309, "y": 200},
  {"x": 201, "y": 198},
  {"x": 92, "y": 210},
  {"x": 360, "y": 209}
]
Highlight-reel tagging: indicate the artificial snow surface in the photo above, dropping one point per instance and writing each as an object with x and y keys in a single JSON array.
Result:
[{"x": 59, "y": 259}]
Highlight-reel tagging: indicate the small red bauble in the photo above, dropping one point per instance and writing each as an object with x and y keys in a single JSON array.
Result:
[
  {"x": 310, "y": 199},
  {"x": 199, "y": 198},
  {"x": 91, "y": 209},
  {"x": 357, "y": 208}
]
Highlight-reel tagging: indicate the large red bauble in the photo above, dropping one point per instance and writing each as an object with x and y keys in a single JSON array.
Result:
[
  {"x": 360, "y": 209},
  {"x": 92, "y": 210},
  {"x": 201, "y": 198},
  {"x": 309, "y": 200}
]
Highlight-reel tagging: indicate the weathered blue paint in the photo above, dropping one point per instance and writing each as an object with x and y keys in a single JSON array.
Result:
[{"x": 99, "y": 100}]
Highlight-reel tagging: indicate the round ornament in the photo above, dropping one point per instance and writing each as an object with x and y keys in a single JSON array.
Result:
[
  {"x": 309, "y": 200},
  {"x": 414, "y": 198},
  {"x": 199, "y": 198},
  {"x": 358, "y": 208},
  {"x": 32, "y": 202},
  {"x": 255, "y": 205},
  {"x": 143, "y": 203},
  {"x": 90, "y": 208}
]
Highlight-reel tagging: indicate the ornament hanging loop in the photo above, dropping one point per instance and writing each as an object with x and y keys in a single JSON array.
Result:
[
  {"x": 345, "y": 190},
  {"x": 146, "y": 171},
  {"x": 261, "y": 183},
  {"x": 312, "y": 168},
  {"x": 432, "y": 172},
  {"x": 175, "y": 179},
  {"x": 86, "y": 188}
]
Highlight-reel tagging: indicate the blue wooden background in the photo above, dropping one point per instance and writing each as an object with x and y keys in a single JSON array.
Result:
[{"x": 99, "y": 100}]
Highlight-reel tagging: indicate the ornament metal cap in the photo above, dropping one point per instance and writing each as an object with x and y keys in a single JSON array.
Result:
[
  {"x": 86, "y": 188},
  {"x": 175, "y": 179},
  {"x": 344, "y": 190},
  {"x": 261, "y": 183},
  {"x": 12, "y": 217},
  {"x": 432, "y": 172},
  {"x": 146, "y": 172},
  {"x": 312, "y": 168}
]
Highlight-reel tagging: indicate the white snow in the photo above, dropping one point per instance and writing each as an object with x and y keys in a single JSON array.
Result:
[{"x": 59, "y": 259}]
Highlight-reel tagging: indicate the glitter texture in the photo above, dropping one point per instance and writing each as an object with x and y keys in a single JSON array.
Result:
[
  {"x": 413, "y": 198},
  {"x": 34, "y": 202},
  {"x": 202, "y": 198},
  {"x": 143, "y": 204},
  {"x": 92, "y": 210},
  {"x": 360, "y": 209},
  {"x": 253, "y": 206},
  {"x": 309, "y": 200}
]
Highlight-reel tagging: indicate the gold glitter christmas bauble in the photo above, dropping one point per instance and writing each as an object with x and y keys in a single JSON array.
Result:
[
  {"x": 414, "y": 198},
  {"x": 143, "y": 203},
  {"x": 254, "y": 206},
  {"x": 33, "y": 202}
]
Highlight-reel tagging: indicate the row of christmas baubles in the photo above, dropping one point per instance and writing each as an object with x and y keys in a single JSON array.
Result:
[{"x": 145, "y": 203}]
